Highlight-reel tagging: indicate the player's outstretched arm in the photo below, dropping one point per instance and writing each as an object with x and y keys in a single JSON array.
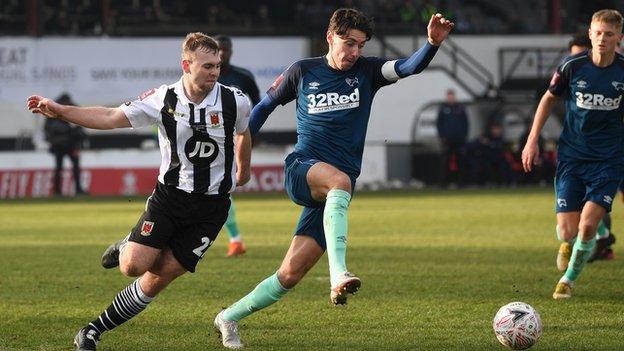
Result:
[
  {"x": 260, "y": 113},
  {"x": 89, "y": 117},
  {"x": 438, "y": 29},
  {"x": 243, "y": 157},
  {"x": 530, "y": 153}
]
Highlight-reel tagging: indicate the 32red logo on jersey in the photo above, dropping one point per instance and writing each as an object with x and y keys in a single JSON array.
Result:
[
  {"x": 146, "y": 228},
  {"x": 146, "y": 94}
]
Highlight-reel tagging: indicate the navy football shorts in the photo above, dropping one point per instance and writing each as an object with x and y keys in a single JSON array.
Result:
[
  {"x": 296, "y": 183},
  {"x": 579, "y": 182}
]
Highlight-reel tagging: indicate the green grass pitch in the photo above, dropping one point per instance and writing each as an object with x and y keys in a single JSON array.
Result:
[{"x": 435, "y": 265}]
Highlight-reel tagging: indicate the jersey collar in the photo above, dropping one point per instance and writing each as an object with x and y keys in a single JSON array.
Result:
[{"x": 209, "y": 100}]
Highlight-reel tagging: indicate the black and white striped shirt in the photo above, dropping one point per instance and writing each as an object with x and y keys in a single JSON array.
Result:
[{"x": 196, "y": 140}]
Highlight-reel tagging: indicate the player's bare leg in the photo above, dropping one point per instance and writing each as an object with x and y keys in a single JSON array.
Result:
[
  {"x": 132, "y": 300},
  {"x": 583, "y": 247},
  {"x": 567, "y": 229},
  {"x": 301, "y": 256}
]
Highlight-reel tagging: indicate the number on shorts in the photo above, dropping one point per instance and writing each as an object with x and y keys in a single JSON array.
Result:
[{"x": 201, "y": 250}]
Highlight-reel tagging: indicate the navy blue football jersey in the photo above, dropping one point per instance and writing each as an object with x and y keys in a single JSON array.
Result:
[
  {"x": 242, "y": 79},
  {"x": 333, "y": 108},
  {"x": 593, "y": 128}
]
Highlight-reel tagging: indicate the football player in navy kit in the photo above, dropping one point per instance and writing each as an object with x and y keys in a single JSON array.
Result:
[
  {"x": 590, "y": 162},
  {"x": 205, "y": 145},
  {"x": 604, "y": 236},
  {"x": 240, "y": 78},
  {"x": 334, "y": 94}
]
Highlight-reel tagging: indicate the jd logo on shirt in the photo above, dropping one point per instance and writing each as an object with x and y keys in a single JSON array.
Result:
[{"x": 201, "y": 149}]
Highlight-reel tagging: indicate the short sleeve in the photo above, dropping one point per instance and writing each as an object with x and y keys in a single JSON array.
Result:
[
  {"x": 243, "y": 108},
  {"x": 145, "y": 110},
  {"x": 284, "y": 88},
  {"x": 559, "y": 82},
  {"x": 375, "y": 65}
]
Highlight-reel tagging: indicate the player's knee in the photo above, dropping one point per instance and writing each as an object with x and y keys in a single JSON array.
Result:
[
  {"x": 289, "y": 277},
  {"x": 587, "y": 231},
  {"x": 566, "y": 232},
  {"x": 131, "y": 270},
  {"x": 340, "y": 181}
]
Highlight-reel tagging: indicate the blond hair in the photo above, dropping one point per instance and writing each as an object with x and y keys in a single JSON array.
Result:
[
  {"x": 613, "y": 17},
  {"x": 198, "y": 41}
]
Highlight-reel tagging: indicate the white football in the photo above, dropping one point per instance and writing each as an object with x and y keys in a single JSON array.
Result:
[{"x": 517, "y": 325}]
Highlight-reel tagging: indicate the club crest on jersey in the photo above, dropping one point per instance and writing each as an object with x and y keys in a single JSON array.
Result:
[
  {"x": 146, "y": 228},
  {"x": 214, "y": 120},
  {"x": 352, "y": 81},
  {"x": 618, "y": 86}
]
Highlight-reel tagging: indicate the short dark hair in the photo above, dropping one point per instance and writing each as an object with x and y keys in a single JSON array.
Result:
[
  {"x": 580, "y": 39},
  {"x": 220, "y": 38},
  {"x": 343, "y": 20}
]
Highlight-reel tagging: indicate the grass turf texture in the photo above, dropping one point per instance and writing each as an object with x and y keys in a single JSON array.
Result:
[{"x": 436, "y": 266}]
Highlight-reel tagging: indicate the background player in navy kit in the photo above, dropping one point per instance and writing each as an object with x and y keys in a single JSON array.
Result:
[
  {"x": 198, "y": 120},
  {"x": 591, "y": 146},
  {"x": 235, "y": 76},
  {"x": 334, "y": 95},
  {"x": 242, "y": 79},
  {"x": 604, "y": 236}
]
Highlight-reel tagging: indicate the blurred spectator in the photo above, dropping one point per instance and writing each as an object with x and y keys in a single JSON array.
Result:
[
  {"x": 12, "y": 17},
  {"x": 488, "y": 158},
  {"x": 427, "y": 10},
  {"x": 579, "y": 43},
  {"x": 544, "y": 171},
  {"x": 452, "y": 127},
  {"x": 164, "y": 17},
  {"x": 65, "y": 140},
  {"x": 409, "y": 12}
]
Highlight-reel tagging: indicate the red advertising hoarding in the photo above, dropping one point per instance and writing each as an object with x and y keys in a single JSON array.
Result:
[{"x": 37, "y": 183}]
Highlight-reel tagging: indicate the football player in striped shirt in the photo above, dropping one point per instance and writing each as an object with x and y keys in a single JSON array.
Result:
[{"x": 205, "y": 145}]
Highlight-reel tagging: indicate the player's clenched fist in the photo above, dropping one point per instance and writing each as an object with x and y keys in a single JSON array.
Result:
[
  {"x": 438, "y": 29},
  {"x": 45, "y": 106}
]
